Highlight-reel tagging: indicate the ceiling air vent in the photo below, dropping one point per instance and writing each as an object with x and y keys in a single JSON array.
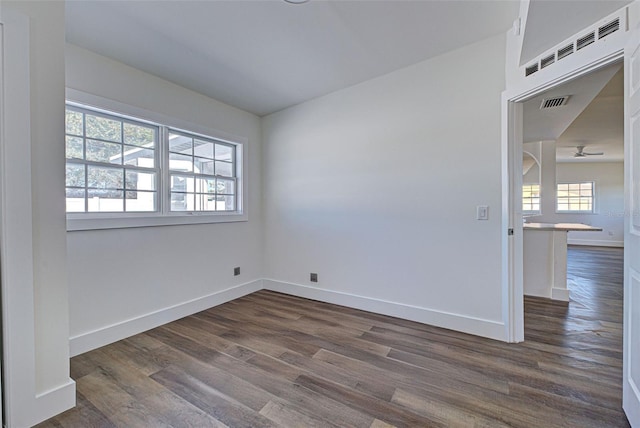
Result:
[
  {"x": 565, "y": 51},
  {"x": 554, "y": 102},
  {"x": 585, "y": 41},
  {"x": 609, "y": 28},
  {"x": 531, "y": 69},
  {"x": 547, "y": 61}
]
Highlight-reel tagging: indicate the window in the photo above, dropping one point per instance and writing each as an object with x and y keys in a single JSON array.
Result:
[
  {"x": 575, "y": 197},
  {"x": 531, "y": 198},
  {"x": 202, "y": 174},
  {"x": 112, "y": 163},
  {"x": 119, "y": 166}
]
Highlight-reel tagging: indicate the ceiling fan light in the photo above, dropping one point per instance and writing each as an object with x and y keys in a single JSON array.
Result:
[
  {"x": 296, "y": 1},
  {"x": 582, "y": 154}
]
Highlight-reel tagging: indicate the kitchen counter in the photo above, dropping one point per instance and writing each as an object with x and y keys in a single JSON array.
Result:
[
  {"x": 567, "y": 227},
  {"x": 545, "y": 258}
]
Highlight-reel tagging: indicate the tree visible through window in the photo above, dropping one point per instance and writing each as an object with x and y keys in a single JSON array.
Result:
[
  {"x": 111, "y": 163},
  {"x": 575, "y": 197}
]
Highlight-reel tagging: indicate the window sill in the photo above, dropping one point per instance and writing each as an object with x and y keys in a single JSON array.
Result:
[{"x": 77, "y": 223}]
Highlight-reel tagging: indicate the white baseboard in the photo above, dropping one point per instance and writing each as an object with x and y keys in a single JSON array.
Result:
[
  {"x": 560, "y": 294},
  {"x": 94, "y": 339},
  {"x": 595, "y": 242},
  {"x": 53, "y": 402},
  {"x": 479, "y": 327}
]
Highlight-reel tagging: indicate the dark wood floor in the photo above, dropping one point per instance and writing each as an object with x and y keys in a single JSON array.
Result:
[{"x": 270, "y": 359}]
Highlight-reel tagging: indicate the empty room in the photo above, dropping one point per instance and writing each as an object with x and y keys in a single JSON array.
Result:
[{"x": 319, "y": 213}]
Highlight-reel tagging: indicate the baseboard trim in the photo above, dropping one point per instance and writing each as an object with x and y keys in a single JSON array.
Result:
[
  {"x": 476, "y": 326},
  {"x": 54, "y": 401},
  {"x": 94, "y": 339},
  {"x": 560, "y": 294},
  {"x": 595, "y": 243},
  {"x": 103, "y": 336}
]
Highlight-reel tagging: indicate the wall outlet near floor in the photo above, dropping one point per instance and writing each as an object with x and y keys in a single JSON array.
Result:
[
  {"x": 236, "y": 271},
  {"x": 313, "y": 277}
]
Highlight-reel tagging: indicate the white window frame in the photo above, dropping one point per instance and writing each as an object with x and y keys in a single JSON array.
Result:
[
  {"x": 593, "y": 198},
  {"x": 163, "y": 217},
  {"x": 532, "y": 212},
  {"x": 124, "y": 167}
]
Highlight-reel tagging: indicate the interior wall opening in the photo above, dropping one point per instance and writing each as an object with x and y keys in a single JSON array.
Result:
[{"x": 573, "y": 204}]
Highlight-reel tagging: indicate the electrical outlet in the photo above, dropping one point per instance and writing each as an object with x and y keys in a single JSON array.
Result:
[
  {"x": 313, "y": 277},
  {"x": 236, "y": 271}
]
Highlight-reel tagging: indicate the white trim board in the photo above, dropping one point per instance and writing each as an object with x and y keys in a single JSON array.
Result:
[
  {"x": 103, "y": 336},
  {"x": 476, "y": 326},
  {"x": 24, "y": 405},
  {"x": 595, "y": 243},
  {"x": 50, "y": 402}
]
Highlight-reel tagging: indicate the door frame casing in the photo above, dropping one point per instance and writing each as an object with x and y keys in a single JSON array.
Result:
[
  {"x": 631, "y": 393},
  {"x": 16, "y": 243}
]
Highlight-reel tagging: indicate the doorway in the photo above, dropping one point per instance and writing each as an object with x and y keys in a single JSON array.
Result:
[
  {"x": 545, "y": 127},
  {"x": 573, "y": 175},
  {"x": 626, "y": 46},
  {"x": 515, "y": 138}
]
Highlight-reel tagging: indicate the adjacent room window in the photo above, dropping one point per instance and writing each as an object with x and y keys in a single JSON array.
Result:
[
  {"x": 575, "y": 197},
  {"x": 531, "y": 198},
  {"x": 117, "y": 164}
]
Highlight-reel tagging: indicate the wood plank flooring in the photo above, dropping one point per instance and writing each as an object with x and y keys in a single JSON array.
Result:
[{"x": 269, "y": 360}]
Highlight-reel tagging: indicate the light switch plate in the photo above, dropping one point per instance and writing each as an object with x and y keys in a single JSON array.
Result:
[{"x": 482, "y": 212}]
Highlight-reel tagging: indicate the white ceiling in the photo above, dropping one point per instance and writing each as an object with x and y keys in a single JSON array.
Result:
[
  {"x": 551, "y": 22},
  {"x": 549, "y": 124},
  {"x": 593, "y": 117},
  {"x": 266, "y": 55},
  {"x": 600, "y": 127}
]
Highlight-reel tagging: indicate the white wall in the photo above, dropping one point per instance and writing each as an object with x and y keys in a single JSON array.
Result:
[
  {"x": 126, "y": 280},
  {"x": 375, "y": 188},
  {"x": 548, "y": 182},
  {"x": 44, "y": 385},
  {"x": 532, "y": 155},
  {"x": 609, "y": 201}
]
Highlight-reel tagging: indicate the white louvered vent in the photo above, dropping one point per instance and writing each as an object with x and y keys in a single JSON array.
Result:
[
  {"x": 609, "y": 28},
  {"x": 565, "y": 51},
  {"x": 531, "y": 69},
  {"x": 614, "y": 24},
  {"x": 554, "y": 102},
  {"x": 585, "y": 41},
  {"x": 547, "y": 61}
]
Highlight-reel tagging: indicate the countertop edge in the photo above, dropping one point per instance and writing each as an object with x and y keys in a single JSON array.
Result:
[{"x": 566, "y": 227}]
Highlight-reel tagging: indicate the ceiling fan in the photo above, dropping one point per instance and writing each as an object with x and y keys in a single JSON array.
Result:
[{"x": 582, "y": 154}]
